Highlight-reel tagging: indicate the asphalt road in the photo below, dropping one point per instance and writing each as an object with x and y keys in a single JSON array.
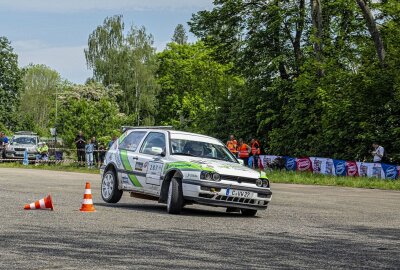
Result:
[{"x": 306, "y": 227}]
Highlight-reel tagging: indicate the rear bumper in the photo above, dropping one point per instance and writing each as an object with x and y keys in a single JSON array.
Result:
[{"x": 215, "y": 194}]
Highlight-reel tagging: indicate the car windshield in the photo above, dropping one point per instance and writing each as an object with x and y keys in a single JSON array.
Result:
[
  {"x": 23, "y": 140},
  {"x": 201, "y": 149}
]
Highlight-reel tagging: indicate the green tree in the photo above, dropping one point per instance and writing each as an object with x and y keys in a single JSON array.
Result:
[
  {"x": 129, "y": 61},
  {"x": 91, "y": 108},
  {"x": 180, "y": 35},
  {"x": 321, "y": 76},
  {"x": 39, "y": 95},
  {"x": 10, "y": 83},
  {"x": 197, "y": 93}
]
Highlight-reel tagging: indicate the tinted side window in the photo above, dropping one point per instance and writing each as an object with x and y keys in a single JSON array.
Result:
[
  {"x": 131, "y": 142},
  {"x": 153, "y": 140}
]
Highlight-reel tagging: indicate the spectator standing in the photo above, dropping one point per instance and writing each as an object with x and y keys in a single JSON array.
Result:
[
  {"x": 255, "y": 152},
  {"x": 102, "y": 153},
  {"x": 232, "y": 145},
  {"x": 3, "y": 144},
  {"x": 378, "y": 152},
  {"x": 244, "y": 151},
  {"x": 89, "y": 154},
  {"x": 95, "y": 150},
  {"x": 80, "y": 148},
  {"x": 110, "y": 144}
]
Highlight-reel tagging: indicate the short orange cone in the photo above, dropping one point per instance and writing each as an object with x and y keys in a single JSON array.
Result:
[
  {"x": 87, "y": 204},
  {"x": 45, "y": 203}
]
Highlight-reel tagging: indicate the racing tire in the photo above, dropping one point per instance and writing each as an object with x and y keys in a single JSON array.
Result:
[
  {"x": 109, "y": 188},
  {"x": 175, "y": 198},
  {"x": 248, "y": 212}
]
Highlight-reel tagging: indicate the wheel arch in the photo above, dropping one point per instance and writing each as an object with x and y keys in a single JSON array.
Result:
[
  {"x": 113, "y": 167},
  {"x": 174, "y": 172}
]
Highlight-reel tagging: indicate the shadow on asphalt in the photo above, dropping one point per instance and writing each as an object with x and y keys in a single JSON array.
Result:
[
  {"x": 184, "y": 249},
  {"x": 162, "y": 209}
]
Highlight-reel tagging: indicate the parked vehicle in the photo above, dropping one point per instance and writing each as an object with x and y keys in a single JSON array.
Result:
[
  {"x": 179, "y": 168},
  {"x": 21, "y": 141}
]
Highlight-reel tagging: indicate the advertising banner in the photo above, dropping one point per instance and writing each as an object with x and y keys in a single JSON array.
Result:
[
  {"x": 390, "y": 171},
  {"x": 267, "y": 160},
  {"x": 340, "y": 167},
  {"x": 304, "y": 164},
  {"x": 336, "y": 167},
  {"x": 351, "y": 168},
  {"x": 322, "y": 165},
  {"x": 290, "y": 164}
]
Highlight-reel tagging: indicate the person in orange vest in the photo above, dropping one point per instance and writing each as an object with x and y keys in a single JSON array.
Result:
[
  {"x": 232, "y": 145},
  {"x": 255, "y": 152},
  {"x": 244, "y": 152}
]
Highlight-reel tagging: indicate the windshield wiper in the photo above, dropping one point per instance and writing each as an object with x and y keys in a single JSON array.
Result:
[{"x": 184, "y": 154}]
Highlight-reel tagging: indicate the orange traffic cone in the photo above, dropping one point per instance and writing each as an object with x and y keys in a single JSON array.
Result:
[
  {"x": 87, "y": 204},
  {"x": 45, "y": 203}
]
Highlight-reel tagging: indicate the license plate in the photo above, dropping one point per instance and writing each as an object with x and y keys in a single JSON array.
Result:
[{"x": 238, "y": 193}]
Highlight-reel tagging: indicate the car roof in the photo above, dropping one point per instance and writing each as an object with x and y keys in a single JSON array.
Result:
[
  {"x": 172, "y": 131},
  {"x": 191, "y": 134}
]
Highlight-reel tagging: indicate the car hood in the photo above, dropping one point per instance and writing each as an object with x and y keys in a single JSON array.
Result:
[{"x": 220, "y": 166}]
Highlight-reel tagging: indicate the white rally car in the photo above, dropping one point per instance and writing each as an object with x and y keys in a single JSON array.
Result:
[{"x": 179, "y": 168}]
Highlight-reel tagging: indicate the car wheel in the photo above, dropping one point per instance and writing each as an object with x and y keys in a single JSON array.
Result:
[
  {"x": 109, "y": 188},
  {"x": 175, "y": 197},
  {"x": 248, "y": 212}
]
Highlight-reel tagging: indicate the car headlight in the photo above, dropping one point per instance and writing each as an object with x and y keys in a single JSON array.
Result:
[
  {"x": 259, "y": 182},
  {"x": 210, "y": 176},
  {"x": 262, "y": 183}
]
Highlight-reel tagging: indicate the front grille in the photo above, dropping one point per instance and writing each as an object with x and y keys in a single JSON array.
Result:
[
  {"x": 19, "y": 149},
  {"x": 238, "y": 179},
  {"x": 234, "y": 199}
]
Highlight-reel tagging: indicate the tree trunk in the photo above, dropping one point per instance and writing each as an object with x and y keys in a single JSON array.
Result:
[
  {"x": 373, "y": 30},
  {"x": 299, "y": 33},
  {"x": 316, "y": 15}
]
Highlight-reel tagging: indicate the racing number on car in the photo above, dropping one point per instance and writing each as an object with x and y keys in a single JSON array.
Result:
[{"x": 155, "y": 168}]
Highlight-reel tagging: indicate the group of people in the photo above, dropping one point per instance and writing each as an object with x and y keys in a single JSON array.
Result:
[
  {"x": 91, "y": 150},
  {"x": 249, "y": 153}
]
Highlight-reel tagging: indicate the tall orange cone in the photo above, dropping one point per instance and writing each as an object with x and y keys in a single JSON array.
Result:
[
  {"x": 87, "y": 203},
  {"x": 45, "y": 203}
]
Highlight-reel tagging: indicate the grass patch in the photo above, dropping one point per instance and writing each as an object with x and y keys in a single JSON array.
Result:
[
  {"x": 51, "y": 167},
  {"x": 307, "y": 178}
]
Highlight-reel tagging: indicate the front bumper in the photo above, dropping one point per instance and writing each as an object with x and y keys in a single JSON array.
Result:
[
  {"x": 215, "y": 194},
  {"x": 18, "y": 155}
]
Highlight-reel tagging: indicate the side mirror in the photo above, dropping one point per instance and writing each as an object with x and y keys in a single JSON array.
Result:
[
  {"x": 241, "y": 161},
  {"x": 157, "y": 150}
]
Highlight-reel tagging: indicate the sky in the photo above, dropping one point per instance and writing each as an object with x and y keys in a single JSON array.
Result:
[{"x": 55, "y": 32}]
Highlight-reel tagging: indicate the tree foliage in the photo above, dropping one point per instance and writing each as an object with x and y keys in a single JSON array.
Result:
[
  {"x": 128, "y": 60},
  {"x": 10, "y": 83},
  {"x": 180, "y": 35},
  {"x": 197, "y": 93},
  {"x": 91, "y": 108},
  {"x": 38, "y": 96},
  {"x": 324, "y": 72}
]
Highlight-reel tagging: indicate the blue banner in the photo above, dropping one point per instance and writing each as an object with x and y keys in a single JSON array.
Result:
[
  {"x": 340, "y": 167},
  {"x": 290, "y": 163},
  {"x": 390, "y": 171}
]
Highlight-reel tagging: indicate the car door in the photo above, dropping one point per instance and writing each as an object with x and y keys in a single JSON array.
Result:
[
  {"x": 128, "y": 155},
  {"x": 151, "y": 158}
]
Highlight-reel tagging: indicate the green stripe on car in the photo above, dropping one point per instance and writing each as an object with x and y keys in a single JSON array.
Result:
[{"x": 127, "y": 166}]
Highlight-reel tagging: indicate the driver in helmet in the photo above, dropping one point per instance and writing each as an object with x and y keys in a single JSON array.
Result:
[{"x": 195, "y": 148}]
